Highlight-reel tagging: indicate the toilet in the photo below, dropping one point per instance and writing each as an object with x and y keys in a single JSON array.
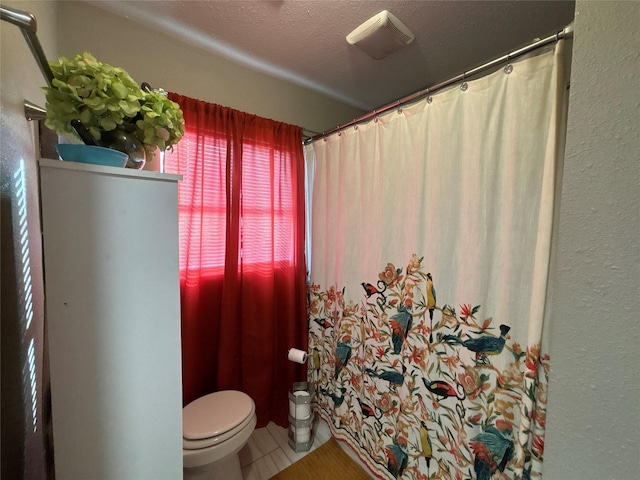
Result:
[{"x": 214, "y": 429}]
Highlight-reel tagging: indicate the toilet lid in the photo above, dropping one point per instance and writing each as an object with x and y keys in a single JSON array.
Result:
[{"x": 215, "y": 414}]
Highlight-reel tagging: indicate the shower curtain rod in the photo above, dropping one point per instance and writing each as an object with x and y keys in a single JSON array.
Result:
[{"x": 567, "y": 32}]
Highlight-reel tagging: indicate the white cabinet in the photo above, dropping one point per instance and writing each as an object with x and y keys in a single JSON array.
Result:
[{"x": 110, "y": 238}]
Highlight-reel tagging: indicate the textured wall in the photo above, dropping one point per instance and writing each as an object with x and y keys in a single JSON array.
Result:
[
  {"x": 24, "y": 378},
  {"x": 593, "y": 427}
]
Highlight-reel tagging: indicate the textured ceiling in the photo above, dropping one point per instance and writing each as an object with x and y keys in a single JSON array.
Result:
[{"x": 304, "y": 40}]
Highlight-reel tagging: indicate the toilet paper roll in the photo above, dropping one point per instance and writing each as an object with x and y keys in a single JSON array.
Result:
[
  {"x": 298, "y": 356},
  {"x": 302, "y": 434},
  {"x": 300, "y": 411}
]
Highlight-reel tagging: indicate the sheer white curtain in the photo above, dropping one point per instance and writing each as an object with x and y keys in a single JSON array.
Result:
[{"x": 456, "y": 192}]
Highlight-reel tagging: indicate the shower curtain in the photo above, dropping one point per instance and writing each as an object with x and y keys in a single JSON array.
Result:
[{"x": 431, "y": 240}]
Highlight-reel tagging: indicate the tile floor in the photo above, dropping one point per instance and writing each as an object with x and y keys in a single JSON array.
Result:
[{"x": 267, "y": 452}]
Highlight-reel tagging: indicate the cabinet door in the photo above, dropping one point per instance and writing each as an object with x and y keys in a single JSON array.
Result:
[{"x": 113, "y": 320}]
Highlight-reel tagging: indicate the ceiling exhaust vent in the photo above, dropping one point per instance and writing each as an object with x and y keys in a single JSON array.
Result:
[{"x": 381, "y": 35}]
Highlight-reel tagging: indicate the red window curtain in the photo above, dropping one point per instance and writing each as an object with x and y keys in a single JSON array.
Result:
[{"x": 242, "y": 268}]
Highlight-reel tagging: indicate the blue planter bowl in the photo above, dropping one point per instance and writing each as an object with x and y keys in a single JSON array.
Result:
[{"x": 71, "y": 152}]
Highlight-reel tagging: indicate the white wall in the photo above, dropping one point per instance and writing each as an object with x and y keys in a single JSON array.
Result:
[
  {"x": 162, "y": 61},
  {"x": 593, "y": 424},
  {"x": 23, "y": 443}
]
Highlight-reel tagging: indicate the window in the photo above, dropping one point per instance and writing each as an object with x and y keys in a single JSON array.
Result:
[{"x": 267, "y": 215}]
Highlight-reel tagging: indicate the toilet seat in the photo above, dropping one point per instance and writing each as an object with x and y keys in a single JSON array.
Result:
[{"x": 215, "y": 418}]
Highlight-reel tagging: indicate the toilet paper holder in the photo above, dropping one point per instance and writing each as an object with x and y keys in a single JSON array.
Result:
[{"x": 301, "y": 416}]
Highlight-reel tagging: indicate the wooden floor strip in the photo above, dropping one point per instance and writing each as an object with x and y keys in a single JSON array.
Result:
[{"x": 326, "y": 461}]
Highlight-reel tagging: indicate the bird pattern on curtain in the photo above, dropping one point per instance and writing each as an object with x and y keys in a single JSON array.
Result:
[{"x": 423, "y": 387}]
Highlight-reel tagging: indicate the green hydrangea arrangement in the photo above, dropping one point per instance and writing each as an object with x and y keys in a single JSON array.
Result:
[
  {"x": 104, "y": 97},
  {"x": 160, "y": 123}
]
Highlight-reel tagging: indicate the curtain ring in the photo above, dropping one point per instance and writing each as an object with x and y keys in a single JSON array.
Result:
[
  {"x": 464, "y": 85},
  {"x": 508, "y": 68},
  {"x": 429, "y": 98}
]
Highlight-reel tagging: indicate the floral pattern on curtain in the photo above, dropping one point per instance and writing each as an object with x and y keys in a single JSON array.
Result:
[
  {"x": 432, "y": 235},
  {"x": 406, "y": 400}
]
